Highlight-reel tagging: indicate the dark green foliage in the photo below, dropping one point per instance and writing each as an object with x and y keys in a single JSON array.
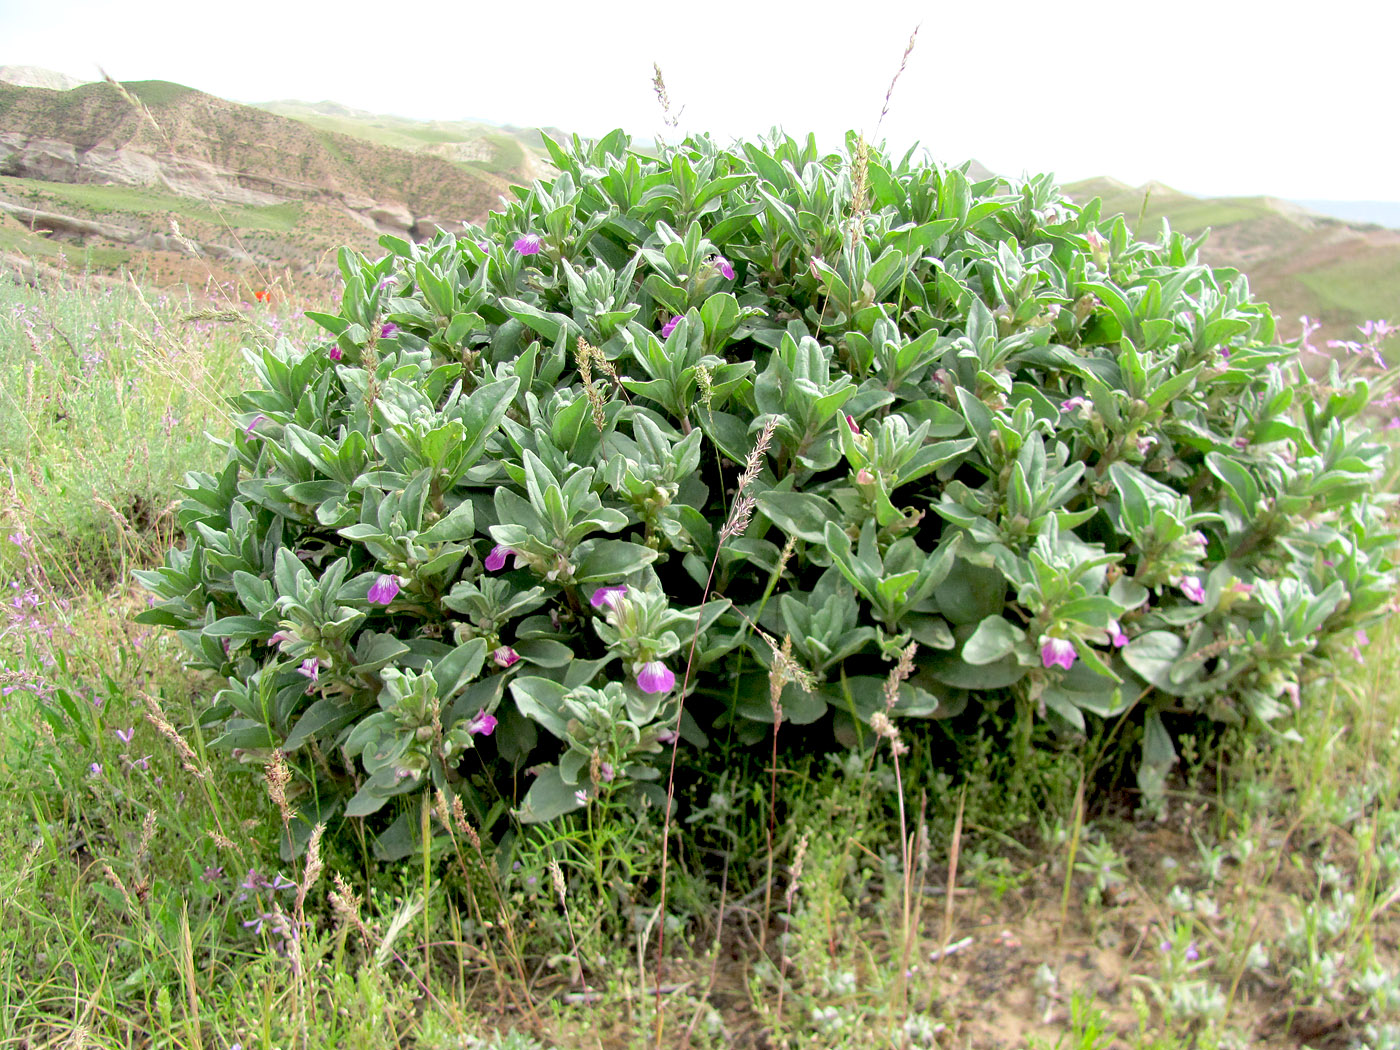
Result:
[{"x": 1074, "y": 470}]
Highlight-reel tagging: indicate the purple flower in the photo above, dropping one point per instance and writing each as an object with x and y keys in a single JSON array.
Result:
[
  {"x": 723, "y": 266},
  {"x": 505, "y": 656},
  {"x": 1057, "y": 652},
  {"x": 125, "y": 735},
  {"x": 496, "y": 560},
  {"x": 605, "y": 772},
  {"x": 248, "y": 430},
  {"x": 670, "y": 326},
  {"x": 528, "y": 244},
  {"x": 655, "y": 677},
  {"x": 1191, "y": 587},
  {"x": 1192, "y": 954},
  {"x": 1393, "y": 423},
  {"x": 311, "y": 668},
  {"x": 1116, "y": 635},
  {"x": 851, "y": 422},
  {"x": 481, "y": 724},
  {"x": 1362, "y": 638},
  {"x": 388, "y": 330},
  {"x": 608, "y": 596},
  {"x": 384, "y": 589},
  {"x": 1073, "y": 404},
  {"x": 335, "y": 353},
  {"x": 279, "y": 637},
  {"x": 1242, "y": 588},
  {"x": 95, "y": 769},
  {"x": 667, "y": 736}
]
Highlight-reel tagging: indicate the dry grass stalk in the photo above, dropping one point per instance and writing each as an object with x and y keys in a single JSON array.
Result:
[
  {"x": 188, "y": 758},
  {"x": 278, "y": 777},
  {"x": 904, "y": 61},
  {"x": 584, "y": 356},
  {"x": 658, "y": 85},
  {"x": 313, "y": 865}
]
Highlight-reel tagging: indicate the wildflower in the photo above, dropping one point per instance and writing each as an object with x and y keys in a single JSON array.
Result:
[
  {"x": 1196, "y": 539},
  {"x": 864, "y": 477},
  {"x": 605, "y": 771},
  {"x": 125, "y": 735},
  {"x": 248, "y": 430},
  {"x": 528, "y": 244},
  {"x": 1096, "y": 241},
  {"x": 1240, "y": 587},
  {"x": 581, "y": 797},
  {"x": 212, "y": 873},
  {"x": 1116, "y": 635},
  {"x": 1192, "y": 954},
  {"x": 311, "y": 668},
  {"x": 670, "y": 326},
  {"x": 95, "y": 769},
  {"x": 1393, "y": 424},
  {"x": 335, "y": 353},
  {"x": 608, "y": 596},
  {"x": 388, "y": 330},
  {"x": 1362, "y": 638},
  {"x": 505, "y": 656},
  {"x": 279, "y": 637},
  {"x": 1073, "y": 404},
  {"x": 722, "y": 264},
  {"x": 384, "y": 589},
  {"x": 262, "y": 296},
  {"x": 1057, "y": 652},
  {"x": 851, "y": 422},
  {"x": 1290, "y": 690},
  {"x": 655, "y": 677},
  {"x": 1146, "y": 444},
  {"x": 667, "y": 736},
  {"x": 496, "y": 560},
  {"x": 1191, "y": 587},
  {"x": 481, "y": 724},
  {"x": 1309, "y": 327}
]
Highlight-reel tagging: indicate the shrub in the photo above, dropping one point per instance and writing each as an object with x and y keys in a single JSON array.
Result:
[{"x": 732, "y": 423}]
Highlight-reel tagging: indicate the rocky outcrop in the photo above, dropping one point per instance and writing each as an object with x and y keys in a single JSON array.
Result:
[{"x": 68, "y": 227}]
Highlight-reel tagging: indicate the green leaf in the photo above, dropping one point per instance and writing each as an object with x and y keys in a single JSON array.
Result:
[
  {"x": 994, "y": 638},
  {"x": 549, "y": 797}
]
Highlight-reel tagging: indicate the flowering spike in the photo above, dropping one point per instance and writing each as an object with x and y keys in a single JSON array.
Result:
[
  {"x": 1058, "y": 652},
  {"x": 528, "y": 244},
  {"x": 655, "y": 677},
  {"x": 384, "y": 589},
  {"x": 496, "y": 560}
]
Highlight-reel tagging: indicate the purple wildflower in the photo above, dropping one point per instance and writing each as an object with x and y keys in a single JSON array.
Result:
[
  {"x": 528, "y": 244},
  {"x": 279, "y": 637},
  {"x": 496, "y": 560},
  {"x": 311, "y": 668},
  {"x": 505, "y": 656},
  {"x": 723, "y": 266},
  {"x": 667, "y": 736},
  {"x": 125, "y": 735},
  {"x": 248, "y": 430},
  {"x": 1058, "y": 652},
  {"x": 1240, "y": 587},
  {"x": 335, "y": 353},
  {"x": 581, "y": 797},
  {"x": 1290, "y": 690},
  {"x": 1192, "y": 954},
  {"x": 1073, "y": 404},
  {"x": 605, "y": 772},
  {"x": 388, "y": 330},
  {"x": 481, "y": 724},
  {"x": 655, "y": 677},
  {"x": 384, "y": 589},
  {"x": 851, "y": 422},
  {"x": 1393, "y": 423},
  {"x": 670, "y": 326},
  {"x": 95, "y": 769},
  {"x": 608, "y": 596},
  {"x": 1191, "y": 587},
  {"x": 1116, "y": 635}
]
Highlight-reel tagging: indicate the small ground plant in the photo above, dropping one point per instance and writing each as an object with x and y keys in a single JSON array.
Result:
[{"x": 704, "y": 443}]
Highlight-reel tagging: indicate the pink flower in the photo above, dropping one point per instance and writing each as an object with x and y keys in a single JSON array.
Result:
[
  {"x": 311, "y": 668},
  {"x": 1290, "y": 690},
  {"x": 608, "y": 596},
  {"x": 528, "y": 244},
  {"x": 125, "y": 735},
  {"x": 1191, "y": 587},
  {"x": 335, "y": 353},
  {"x": 670, "y": 326},
  {"x": 605, "y": 772},
  {"x": 1073, "y": 404},
  {"x": 481, "y": 724},
  {"x": 1096, "y": 241},
  {"x": 505, "y": 656},
  {"x": 1242, "y": 588},
  {"x": 851, "y": 422},
  {"x": 667, "y": 736},
  {"x": 655, "y": 677},
  {"x": 1116, "y": 635},
  {"x": 723, "y": 266},
  {"x": 248, "y": 430},
  {"x": 388, "y": 330},
  {"x": 864, "y": 477},
  {"x": 496, "y": 560},
  {"x": 1057, "y": 652},
  {"x": 384, "y": 589},
  {"x": 1393, "y": 423}
]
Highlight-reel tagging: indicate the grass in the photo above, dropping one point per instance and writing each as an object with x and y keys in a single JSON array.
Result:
[
  {"x": 144, "y": 902},
  {"x": 116, "y": 200}
]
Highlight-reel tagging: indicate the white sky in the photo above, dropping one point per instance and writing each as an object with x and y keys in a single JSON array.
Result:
[{"x": 1213, "y": 97}]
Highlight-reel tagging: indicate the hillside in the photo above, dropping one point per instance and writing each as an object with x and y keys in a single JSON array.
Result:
[
  {"x": 1298, "y": 261},
  {"x": 86, "y": 169}
]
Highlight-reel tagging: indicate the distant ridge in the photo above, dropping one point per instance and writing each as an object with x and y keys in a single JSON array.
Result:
[{"x": 34, "y": 76}]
